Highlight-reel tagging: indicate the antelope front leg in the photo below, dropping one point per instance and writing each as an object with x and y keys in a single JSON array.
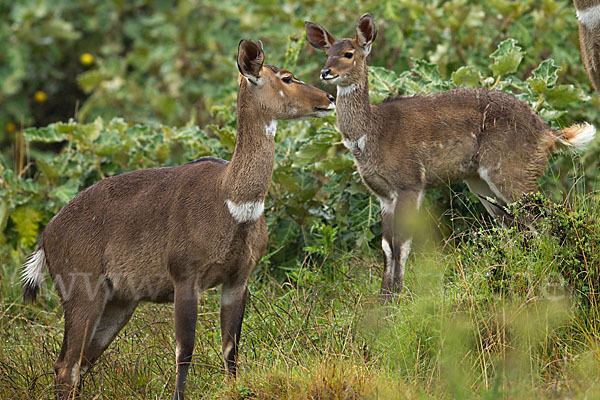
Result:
[
  {"x": 396, "y": 217},
  {"x": 186, "y": 314},
  {"x": 233, "y": 304}
]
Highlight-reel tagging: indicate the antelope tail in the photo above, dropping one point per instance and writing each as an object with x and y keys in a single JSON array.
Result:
[
  {"x": 33, "y": 274},
  {"x": 575, "y": 137}
]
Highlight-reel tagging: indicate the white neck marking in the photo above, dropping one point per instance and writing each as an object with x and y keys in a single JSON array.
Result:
[
  {"x": 356, "y": 145},
  {"x": 346, "y": 90},
  {"x": 590, "y": 17},
  {"x": 271, "y": 128},
  {"x": 246, "y": 212}
]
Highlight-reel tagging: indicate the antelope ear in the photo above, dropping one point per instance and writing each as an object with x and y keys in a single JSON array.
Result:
[
  {"x": 318, "y": 36},
  {"x": 250, "y": 59},
  {"x": 366, "y": 32}
]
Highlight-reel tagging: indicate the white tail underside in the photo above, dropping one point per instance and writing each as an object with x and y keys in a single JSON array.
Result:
[
  {"x": 583, "y": 137},
  {"x": 33, "y": 269}
]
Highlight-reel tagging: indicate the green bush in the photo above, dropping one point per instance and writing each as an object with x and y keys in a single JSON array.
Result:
[
  {"x": 314, "y": 179},
  {"x": 174, "y": 65}
]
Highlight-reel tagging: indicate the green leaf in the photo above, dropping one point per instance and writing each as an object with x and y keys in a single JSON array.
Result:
[
  {"x": 466, "y": 76},
  {"x": 544, "y": 76},
  {"x": 563, "y": 95},
  {"x": 88, "y": 81},
  {"x": 91, "y": 131},
  {"x": 383, "y": 82},
  {"x": 309, "y": 153},
  {"x": 64, "y": 193},
  {"x": 106, "y": 144},
  {"x": 48, "y": 169},
  {"x": 26, "y": 221},
  {"x": 336, "y": 164},
  {"x": 47, "y": 135},
  {"x": 427, "y": 71},
  {"x": 507, "y": 57},
  {"x": 550, "y": 114},
  {"x": 69, "y": 127}
]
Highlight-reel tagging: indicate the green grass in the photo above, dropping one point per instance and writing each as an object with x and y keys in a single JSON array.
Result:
[{"x": 491, "y": 314}]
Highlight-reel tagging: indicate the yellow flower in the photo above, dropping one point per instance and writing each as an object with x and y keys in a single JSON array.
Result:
[
  {"x": 10, "y": 127},
  {"x": 86, "y": 59},
  {"x": 40, "y": 96}
]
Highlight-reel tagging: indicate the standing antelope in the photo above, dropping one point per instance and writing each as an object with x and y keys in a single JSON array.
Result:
[
  {"x": 588, "y": 15},
  {"x": 166, "y": 234},
  {"x": 404, "y": 145}
]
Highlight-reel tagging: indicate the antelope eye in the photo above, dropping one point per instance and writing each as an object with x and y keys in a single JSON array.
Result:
[
  {"x": 287, "y": 79},
  {"x": 348, "y": 55}
]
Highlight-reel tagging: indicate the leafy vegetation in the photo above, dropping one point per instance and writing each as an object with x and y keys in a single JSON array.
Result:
[{"x": 487, "y": 312}]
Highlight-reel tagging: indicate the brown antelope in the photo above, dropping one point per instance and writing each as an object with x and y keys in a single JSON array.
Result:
[
  {"x": 167, "y": 234},
  {"x": 404, "y": 145},
  {"x": 588, "y": 15}
]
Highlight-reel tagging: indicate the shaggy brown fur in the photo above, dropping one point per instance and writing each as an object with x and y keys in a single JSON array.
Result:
[
  {"x": 589, "y": 40},
  {"x": 402, "y": 146},
  {"x": 167, "y": 234}
]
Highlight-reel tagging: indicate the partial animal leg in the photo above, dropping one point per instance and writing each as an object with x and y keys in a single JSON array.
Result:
[
  {"x": 508, "y": 182},
  {"x": 396, "y": 241},
  {"x": 186, "y": 315},
  {"x": 81, "y": 318},
  {"x": 480, "y": 187},
  {"x": 115, "y": 316},
  {"x": 233, "y": 304}
]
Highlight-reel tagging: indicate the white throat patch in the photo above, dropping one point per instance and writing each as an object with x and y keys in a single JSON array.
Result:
[
  {"x": 271, "y": 129},
  {"x": 356, "y": 145},
  {"x": 345, "y": 90},
  {"x": 590, "y": 17},
  {"x": 246, "y": 212}
]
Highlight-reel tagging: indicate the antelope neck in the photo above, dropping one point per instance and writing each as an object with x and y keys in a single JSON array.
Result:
[
  {"x": 248, "y": 175},
  {"x": 354, "y": 115}
]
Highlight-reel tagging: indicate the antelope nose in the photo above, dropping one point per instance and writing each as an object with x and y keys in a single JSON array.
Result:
[
  {"x": 325, "y": 72},
  {"x": 331, "y": 98}
]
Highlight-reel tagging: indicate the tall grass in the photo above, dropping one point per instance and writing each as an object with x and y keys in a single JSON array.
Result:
[{"x": 491, "y": 313}]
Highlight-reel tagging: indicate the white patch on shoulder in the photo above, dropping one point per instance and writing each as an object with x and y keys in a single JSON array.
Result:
[
  {"x": 33, "y": 269},
  {"x": 271, "y": 129},
  {"x": 246, "y": 212},
  {"x": 590, "y": 17},
  {"x": 345, "y": 90}
]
